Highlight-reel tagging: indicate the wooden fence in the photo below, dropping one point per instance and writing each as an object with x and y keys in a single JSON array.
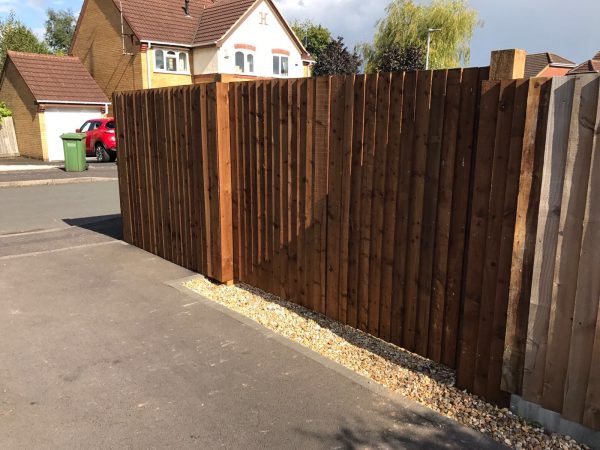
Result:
[
  {"x": 8, "y": 139},
  {"x": 175, "y": 177},
  {"x": 406, "y": 205},
  {"x": 554, "y": 356}
]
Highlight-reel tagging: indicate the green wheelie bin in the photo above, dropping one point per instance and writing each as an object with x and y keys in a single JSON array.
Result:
[{"x": 74, "y": 147}]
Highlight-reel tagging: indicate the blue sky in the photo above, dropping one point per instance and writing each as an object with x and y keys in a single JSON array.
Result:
[{"x": 570, "y": 28}]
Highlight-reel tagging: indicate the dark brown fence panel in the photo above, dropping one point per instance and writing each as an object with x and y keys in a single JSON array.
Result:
[{"x": 174, "y": 167}]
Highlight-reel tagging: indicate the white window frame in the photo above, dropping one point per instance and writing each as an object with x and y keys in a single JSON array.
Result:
[
  {"x": 280, "y": 57},
  {"x": 175, "y": 54},
  {"x": 247, "y": 54}
]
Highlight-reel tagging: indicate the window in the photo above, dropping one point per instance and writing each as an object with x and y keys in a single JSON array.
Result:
[
  {"x": 159, "y": 57},
  {"x": 171, "y": 61},
  {"x": 280, "y": 65},
  {"x": 110, "y": 125},
  {"x": 250, "y": 61},
  {"x": 239, "y": 62},
  {"x": 85, "y": 127},
  {"x": 244, "y": 61},
  {"x": 96, "y": 125}
]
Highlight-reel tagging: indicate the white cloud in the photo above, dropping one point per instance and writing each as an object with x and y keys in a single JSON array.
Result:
[{"x": 354, "y": 20}]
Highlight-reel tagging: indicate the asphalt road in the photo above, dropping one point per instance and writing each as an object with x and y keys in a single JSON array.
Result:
[
  {"x": 43, "y": 207},
  {"x": 103, "y": 348}
]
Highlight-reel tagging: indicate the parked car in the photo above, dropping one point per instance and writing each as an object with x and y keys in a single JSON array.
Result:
[{"x": 100, "y": 139}]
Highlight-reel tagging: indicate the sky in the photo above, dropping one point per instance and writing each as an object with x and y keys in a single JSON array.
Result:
[{"x": 570, "y": 28}]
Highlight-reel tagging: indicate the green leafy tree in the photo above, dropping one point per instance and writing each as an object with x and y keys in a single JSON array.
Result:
[
  {"x": 60, "y": 26},
  {"x": 14, "y": 35},
  {"x": 4, "y": 111},
  {"x": 314, "y": 37},
  {"x": 406, "y": 24},
  {"x": 396, "y": 59},
  {"x": 336, "y": 59}
]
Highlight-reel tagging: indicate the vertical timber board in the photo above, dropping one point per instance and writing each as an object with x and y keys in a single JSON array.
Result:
[
  {"x": 392, "y": 174},
  {"x": 444, "y": 213},
  {"x": 293, "y": 183},
  {"x": 415, "y": 217},
  {"x": 587, "y": 293},
  {"x": 321, "y": 151},
  {"x": 495, "y": 210},
  {"x": 463, "y": 176},
  {"x": 224, "y": 183},
  {"x": 334, "y": 191},
  {"x": 430, "y": 201},
  {"x": 559, "y": 121},
  {"x": 346, "y": 193},
  {"x": 377, "y": 201},
  {"x": 355, "y": 197},
  {"x": 591, "y": 417},
  {"x": 309, "y": 242},
  {"x": 407, "y": 130},
  {"x": 206, "y": 207},
  {"x": 366, "y": 200},
  {"x": 574, "y": 197},
  {"x": 122, "y": 167},
  {"x": 235, "y": 179},
  {"x": 518, "y": 289},
  {"x": 277, "y": 180},
  {"x": 469, "y": 321},
  {"x": 519, "y": 141}
]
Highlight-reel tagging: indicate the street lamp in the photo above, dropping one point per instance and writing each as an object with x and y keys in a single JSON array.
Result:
[{"x": 429, "y": 31}]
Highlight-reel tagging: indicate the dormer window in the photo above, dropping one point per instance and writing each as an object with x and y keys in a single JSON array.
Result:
[{"x": 171, "y": 61}]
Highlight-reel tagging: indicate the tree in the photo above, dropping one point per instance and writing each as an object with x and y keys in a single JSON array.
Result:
[
  {"x": 396, "y": 59},
  {"x": 14, "y": 35},
  {"x": 337, "y": 60},
  {"x": 314, "y": 37},
  {"x": 406, "y": 24},
  {"x": 60, "y": 26}
]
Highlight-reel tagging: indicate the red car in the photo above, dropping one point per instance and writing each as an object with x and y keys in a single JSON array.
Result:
[{"x": 100, "y": 139}]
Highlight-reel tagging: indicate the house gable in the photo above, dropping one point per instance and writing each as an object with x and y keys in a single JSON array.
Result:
[
  {"x": 19, "y": 99},
  {"x": 114, "y": 63},
  {"x": 263, "y": 33}
]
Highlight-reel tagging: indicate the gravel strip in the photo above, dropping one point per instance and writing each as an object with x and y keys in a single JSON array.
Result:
[{"x": 410, "y": 375}]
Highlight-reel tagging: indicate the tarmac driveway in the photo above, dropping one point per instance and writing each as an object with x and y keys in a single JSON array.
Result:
[{"x": 102, "y": 348}]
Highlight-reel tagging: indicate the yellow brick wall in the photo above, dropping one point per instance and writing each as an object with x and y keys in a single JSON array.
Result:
[
  {"x": 99, "y": 46},
  {"x": 161, "y": 79},
  {"x": 18, "y": 98}
]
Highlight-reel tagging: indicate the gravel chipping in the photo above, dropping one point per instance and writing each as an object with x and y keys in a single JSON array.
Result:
[{"x": 412, "y": 376}]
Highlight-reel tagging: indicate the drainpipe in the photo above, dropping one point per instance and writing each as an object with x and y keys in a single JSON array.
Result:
[{"x": 148, "y": 72}]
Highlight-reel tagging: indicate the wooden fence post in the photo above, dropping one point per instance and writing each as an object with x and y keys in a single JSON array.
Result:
[{"x": 224, "y": 272}]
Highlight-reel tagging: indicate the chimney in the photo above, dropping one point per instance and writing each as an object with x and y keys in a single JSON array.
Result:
[{"x": 507, "y": 64}]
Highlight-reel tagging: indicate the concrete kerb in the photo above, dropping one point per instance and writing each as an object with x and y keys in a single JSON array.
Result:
[
  {"x": 332, "y": 365},
  {"x": 54, "y": 181}
]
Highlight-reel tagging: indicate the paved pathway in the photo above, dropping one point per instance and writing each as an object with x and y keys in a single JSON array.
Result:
[{"x": 102, "y": 348}]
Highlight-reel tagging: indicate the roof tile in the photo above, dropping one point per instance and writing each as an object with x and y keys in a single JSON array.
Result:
[{"x": 57, "y": 78}]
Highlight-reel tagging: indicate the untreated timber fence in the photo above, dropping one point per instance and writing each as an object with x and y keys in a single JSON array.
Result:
[{"x": 405, "y": 205}]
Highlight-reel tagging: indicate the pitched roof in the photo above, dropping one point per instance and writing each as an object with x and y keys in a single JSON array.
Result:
[
  {"x": 163, "y": 21},
  {"x": 535, "y": 63},
  {"x": 57, "y": 78},
  {"x": 218, "y": 18},
  {"x": 589, "y": 66}
]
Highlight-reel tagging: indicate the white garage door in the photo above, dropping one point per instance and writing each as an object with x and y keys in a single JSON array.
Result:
[{"x": 61, "y": 120}]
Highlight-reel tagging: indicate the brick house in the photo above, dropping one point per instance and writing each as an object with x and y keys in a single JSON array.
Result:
[
  {"x": 589, "y": 66},
  {"x": 48, "y": 96},
  {"x": 547, "y": 65},
  {"x": 140, "y": 44}
]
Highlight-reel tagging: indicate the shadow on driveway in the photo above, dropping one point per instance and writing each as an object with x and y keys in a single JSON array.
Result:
[{"x": 109, "y": 225}]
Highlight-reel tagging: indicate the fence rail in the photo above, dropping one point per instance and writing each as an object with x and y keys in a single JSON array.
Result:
[{"x": 419, "y": 207}]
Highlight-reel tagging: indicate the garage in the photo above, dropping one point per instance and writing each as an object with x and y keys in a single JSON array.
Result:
[
  {"x": 61, "y": 120},
  {"x": 48, "y": 95}
]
